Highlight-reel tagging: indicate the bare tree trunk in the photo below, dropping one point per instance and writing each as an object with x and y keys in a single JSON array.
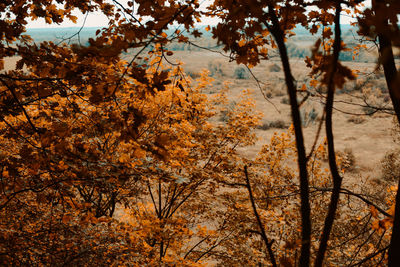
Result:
[
  {"x": 337, "y": 179},
  {"x": 278, "y": 34},
  {"x": 390, "y": 70},
  {"x": 389, "y": 67}
]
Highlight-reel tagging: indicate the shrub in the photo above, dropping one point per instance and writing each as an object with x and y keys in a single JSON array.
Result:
[
  {"x": 215, "y": 68},
  {"x": 348, "y": 159},
  {"x": 296, "y": 51},
  {"x": 240, "y": 73},
  {"x": 356, "y": 119},
  {"x": 395, "y": 132},
  {"x": 274, "y": 68},
  {"x": 278, "y": 124},
  {"x": 225, "y": 113},
  {"x": 369, "y": 110},
  {"x": 391, "y": 166},
  {"x": 193, "y": 74},
  {"x": 281, "y": 91},
  {"x": 278, "y": 88},
  {"x": 268, "y": 94},
  {"x": 285, "y": 100},
  {"x": 308, "y": 117}
]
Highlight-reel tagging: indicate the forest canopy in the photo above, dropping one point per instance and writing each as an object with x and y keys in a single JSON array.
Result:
[{"x": 111, "y": 154}]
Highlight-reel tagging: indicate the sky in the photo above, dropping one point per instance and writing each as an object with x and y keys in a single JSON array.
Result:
[
  {"x": 99, "y": 20},
  {"x": 93, "y": 20}
]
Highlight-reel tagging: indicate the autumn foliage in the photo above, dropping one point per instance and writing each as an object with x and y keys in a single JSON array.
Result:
[{"x": 112, "y": 160}]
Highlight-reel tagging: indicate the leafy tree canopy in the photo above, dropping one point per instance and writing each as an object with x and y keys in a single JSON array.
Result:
[{"x": 108, "y": 161}]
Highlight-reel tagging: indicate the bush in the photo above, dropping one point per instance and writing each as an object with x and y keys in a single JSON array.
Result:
[
  {"x": 278, "y": 124},
  {"x": 285, "y": 100},
  {"x": 280, "y": 90},
  {"x": 240, "y": 73},
  {"x": 296, "y": 51},
  {"x": 264, "y": 126},
  {"x": 193, "y": 74},
  {"x": 225, "y": 113},
  {"x": 268, "y": 93},
  {"x": 274, "y": 68},
  {"x": 356, "y": 119},
  {"x": 369, "y": 110},
  {"x": 274, "y": 89},
  {"x": 308, "y": 117},
  {"x": 391, "y": 166},
  {"x": 215, "y": 68},
  {"x": 348, "y": 159}
]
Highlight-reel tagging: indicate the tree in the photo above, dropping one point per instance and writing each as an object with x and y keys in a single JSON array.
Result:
[
  {"x": 72, "y": 118},
  {"x": 112, "y": 161},
  {"x": 251, "y": 25}
]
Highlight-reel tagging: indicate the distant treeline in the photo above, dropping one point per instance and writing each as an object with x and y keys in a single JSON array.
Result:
[
  {"x": 70, "y": 34},
  {"x": 81, "y": 36}
]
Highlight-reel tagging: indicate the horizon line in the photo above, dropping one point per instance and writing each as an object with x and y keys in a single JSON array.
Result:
[{"x": 97, "y": 27}]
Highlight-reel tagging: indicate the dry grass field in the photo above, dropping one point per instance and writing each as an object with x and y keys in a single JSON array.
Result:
[{"x": 367, "y": 137}]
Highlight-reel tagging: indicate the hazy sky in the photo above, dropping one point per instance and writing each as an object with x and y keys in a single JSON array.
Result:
[{"x": 99, "y": 20}]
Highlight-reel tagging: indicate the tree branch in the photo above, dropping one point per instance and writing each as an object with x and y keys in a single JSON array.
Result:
[
  {"x": 259, "y": 222},
  {"x": 337, "y": 179},
  {"x": 278, "y": 34}
]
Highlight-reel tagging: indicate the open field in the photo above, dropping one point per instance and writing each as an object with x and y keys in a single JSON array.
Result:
[{"x": 369, "y": 137}]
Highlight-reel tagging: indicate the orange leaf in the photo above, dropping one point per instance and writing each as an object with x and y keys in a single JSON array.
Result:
[
  {"x": 374, "y": 212},
  {"x": 375, "y": 225},
  {"x": 313, "y": 83},
  {"x": 242, "y": 43}
]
